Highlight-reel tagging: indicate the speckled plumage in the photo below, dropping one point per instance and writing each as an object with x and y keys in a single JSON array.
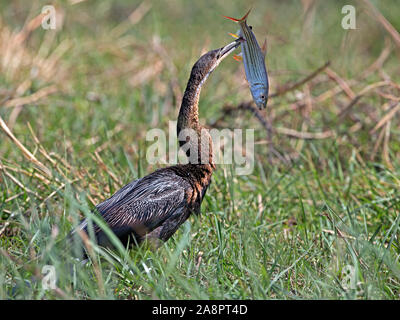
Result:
[{"x": 157, "y": 204}]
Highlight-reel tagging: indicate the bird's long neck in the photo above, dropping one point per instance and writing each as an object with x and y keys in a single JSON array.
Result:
[
  {"x": 189, "y": 112},
  {"x": 199, "y": 147}
]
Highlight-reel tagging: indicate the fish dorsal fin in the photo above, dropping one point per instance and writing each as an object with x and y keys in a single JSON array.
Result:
[{"x": 264, "y": 47}]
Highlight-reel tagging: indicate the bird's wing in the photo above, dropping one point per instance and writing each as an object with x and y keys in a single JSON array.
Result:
[{"x": 144, "y": 204}]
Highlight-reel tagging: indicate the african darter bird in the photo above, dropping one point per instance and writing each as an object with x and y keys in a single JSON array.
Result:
[{"x": 154, "y": 206}]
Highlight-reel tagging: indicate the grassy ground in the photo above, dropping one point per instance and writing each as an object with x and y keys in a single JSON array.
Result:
[{"x": 319, "y": 216}]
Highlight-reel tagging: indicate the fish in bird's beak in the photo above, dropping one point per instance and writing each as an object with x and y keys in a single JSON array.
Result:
[
  {"x": 254, "y": 62},
  {"x": 210, "y": 60},
  {"x": 225, "y": 51}
]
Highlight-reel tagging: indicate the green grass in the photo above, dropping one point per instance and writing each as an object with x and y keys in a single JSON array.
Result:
[{"x": 287, "y": 231}]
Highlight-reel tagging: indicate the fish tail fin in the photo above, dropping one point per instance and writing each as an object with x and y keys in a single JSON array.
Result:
[{"x": 239, "y": 20}]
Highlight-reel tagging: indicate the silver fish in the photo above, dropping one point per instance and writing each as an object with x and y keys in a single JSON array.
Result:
[{"x": 254, "y": 63}]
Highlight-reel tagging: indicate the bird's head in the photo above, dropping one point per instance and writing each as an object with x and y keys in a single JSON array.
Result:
[{"x": 210, "y": 60}]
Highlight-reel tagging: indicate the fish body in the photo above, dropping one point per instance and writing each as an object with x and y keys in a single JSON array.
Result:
[{"x": 254, "y": 63}]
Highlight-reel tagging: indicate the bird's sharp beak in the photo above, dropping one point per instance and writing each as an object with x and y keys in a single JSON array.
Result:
[{"x": 225, "y": 51}]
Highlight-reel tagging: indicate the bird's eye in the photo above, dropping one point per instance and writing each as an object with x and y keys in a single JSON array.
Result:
[{"x": 262, "y": 97}]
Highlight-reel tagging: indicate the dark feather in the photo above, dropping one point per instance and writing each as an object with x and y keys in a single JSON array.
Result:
[{"x": 144, "y": 205}]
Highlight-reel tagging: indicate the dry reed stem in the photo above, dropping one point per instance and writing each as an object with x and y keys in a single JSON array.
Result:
[
  {"x": 290, "y": 87},
  {"x": 55, "y": 192},
  {"x": 339, "y": 233},
  {"x": 146, "y": 74},
  {"x": 306, "y": 135},
  {"x": 378, "y": 63},
  {"x": 18, "y": 183},
  {"x": 42, "y": 150},
  {"x": 14, "y": 197},
  {"x": 96, "y": 267},
  {"x": 384, "y": 22},
  {"x": 377, "y": 143},
  {"x": 13, "y": 116},
  {"x": 24, "y": 150},
  {"x": 61, "y": 159},
  {"x": 8, "y": 222},
  {"x": 44, "y": 92},
  {"x": 341, "y": 82},
  {"x": 134, "y": 18},
  {"x": 260, "y": 206},
  {"x": 28, "y": 28},
  {"x": 29, "y": 174},
  {"x": 101, "y": 163},
  {"x": 387, "y": 96},
  {"x": 386, "y": 156},
  {"x": 364, "y": 91},
  {"x": 332, "y": 92},
  {"x": 386, "y": 118},
  {"x": 73, "y": 2}
]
